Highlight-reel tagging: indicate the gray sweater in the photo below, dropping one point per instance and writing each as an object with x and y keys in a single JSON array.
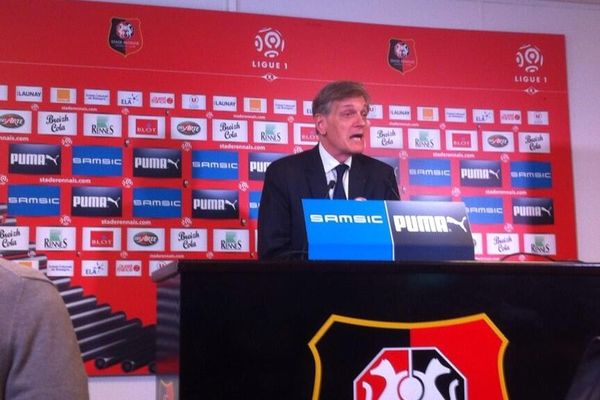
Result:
[{"x": 39, "y": 355}]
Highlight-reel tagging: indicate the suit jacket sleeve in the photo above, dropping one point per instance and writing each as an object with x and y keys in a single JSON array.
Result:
[
  {"x": 45, "y": 361},
  {"x": 274, "y": 219}
]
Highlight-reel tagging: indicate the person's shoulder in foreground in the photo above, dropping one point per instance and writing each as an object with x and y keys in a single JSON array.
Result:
[{"x": 39, "y": 355}]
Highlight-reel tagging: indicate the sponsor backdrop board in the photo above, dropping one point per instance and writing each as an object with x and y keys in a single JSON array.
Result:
[{"x": 133, "y": 135}]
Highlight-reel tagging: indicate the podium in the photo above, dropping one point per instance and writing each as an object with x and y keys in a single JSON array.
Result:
[
  {"x": 387, "y": 230},
  {"x": 322, "y": 330}
]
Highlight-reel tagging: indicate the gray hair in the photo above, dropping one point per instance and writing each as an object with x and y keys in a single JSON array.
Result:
[{"x": 336, "y": 91}]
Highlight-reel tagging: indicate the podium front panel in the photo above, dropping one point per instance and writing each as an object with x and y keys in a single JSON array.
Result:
[{"x": 323, "y": 330}]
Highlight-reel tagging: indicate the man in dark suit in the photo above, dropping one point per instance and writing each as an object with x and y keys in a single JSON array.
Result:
[{"x": 340, "y": 112}]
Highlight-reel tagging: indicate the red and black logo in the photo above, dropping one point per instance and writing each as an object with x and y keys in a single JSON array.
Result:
[
  {"x": 402, "y": 55},
  {"x": 444, "y": 360},
  {"x": 410, "y": 374},
  {"x": 125, "y": 35}
]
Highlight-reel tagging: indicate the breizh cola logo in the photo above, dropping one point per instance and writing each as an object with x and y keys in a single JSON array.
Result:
[
  {"x": 52, "y": 123},
  {"x": 225, "y": 130}
]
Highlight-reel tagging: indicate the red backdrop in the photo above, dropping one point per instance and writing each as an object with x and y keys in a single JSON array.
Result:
[{"x": 454, "y": 96}]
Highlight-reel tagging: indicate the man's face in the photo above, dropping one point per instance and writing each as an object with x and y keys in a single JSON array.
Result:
[{"x": 343, "y": 130}]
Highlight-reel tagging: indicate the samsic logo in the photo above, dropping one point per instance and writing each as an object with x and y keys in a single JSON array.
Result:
[
  {"x": 484, "y": 210},
  {"x": 258, "y": 164},
  {"x": 531, "y": 174},
  {"x": 480, "y": 173},
  {"x": 157, "y": 163},
  {"x": 429, "y": 172},
  {"x": 37, "y": 159},
  {"x": 96, "y": 202},
  {"x": 215, "y": 204},
  {"x": 533, "y": 211},
  {"x": 33, "y": 200},
  {"x": 97, "y": 161},
  {"x": 159, "y": 203},
  {"x": 254, "y": 204},
  {"x": 211, "y": 164},
  {"x": 346, "y": 219}
]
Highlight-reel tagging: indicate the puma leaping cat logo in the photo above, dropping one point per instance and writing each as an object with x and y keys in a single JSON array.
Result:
[{"x": 460, "y": 223}]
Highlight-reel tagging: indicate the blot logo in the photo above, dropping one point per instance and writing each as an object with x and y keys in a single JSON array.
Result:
[
  {"x": 410, "y": 374},
  {"x": 101, "y": 238},
  {"x": 146, "y": 127}
]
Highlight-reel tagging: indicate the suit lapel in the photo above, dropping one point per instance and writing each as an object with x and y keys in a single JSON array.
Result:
[
  {"x": 357, "y": 179},
  {"x": 315, "y": 175}
]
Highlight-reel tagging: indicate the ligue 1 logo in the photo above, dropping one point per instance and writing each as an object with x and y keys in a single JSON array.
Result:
[
  {"x": 529, "y": 58},
  {"x": 269, "y": 42}
]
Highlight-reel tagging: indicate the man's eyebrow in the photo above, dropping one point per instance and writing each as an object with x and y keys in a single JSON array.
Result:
[{"x": 348, "y": 105}]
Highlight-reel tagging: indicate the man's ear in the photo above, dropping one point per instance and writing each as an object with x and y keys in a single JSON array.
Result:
[{"x": 321, "y": 124}]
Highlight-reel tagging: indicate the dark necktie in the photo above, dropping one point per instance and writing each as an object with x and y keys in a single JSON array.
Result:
[{"x": 338, "y": 191}]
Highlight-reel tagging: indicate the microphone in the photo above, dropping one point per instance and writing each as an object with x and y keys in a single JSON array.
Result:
[{"x": 330, "y": 186}]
